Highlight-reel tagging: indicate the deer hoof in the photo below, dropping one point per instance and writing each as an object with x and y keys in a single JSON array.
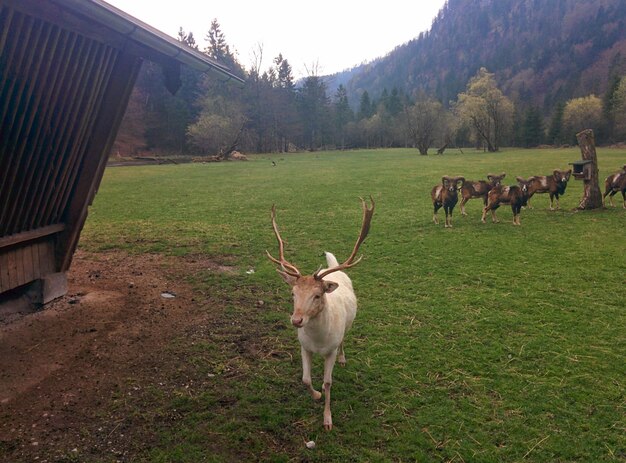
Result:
[
  {"x": 328, "y": 422},
  {"x": 316, "y": 395}
]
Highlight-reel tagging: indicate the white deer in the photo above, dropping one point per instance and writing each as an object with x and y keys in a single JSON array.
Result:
[{"x": 323, "y": 310}]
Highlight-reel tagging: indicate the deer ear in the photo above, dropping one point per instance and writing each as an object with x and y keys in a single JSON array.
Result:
[
  {"x": 330, "y": 286},
  {"x": 289, "y": 279}
]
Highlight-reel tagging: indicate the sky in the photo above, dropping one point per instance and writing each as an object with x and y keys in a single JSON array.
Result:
[{"x": 320, "y": 37}]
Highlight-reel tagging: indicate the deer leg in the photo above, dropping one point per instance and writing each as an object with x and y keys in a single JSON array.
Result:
[
  {"x": 341, "y": 355},
  {"x": 484, "y": 216},
  {"x": 624, "y": 198},
  {"x": 329, "y": 363},
  {"x": 307, "y": 358},
  {"x": 494, "y": 218},
  {"x": 463, "y": 201},
  {"x": 435, "y": 219}
]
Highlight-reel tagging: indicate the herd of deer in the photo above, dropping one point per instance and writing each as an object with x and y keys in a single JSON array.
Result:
[
  {"x": 494, "y": 194},
  {"x": 324, "y": 303}
]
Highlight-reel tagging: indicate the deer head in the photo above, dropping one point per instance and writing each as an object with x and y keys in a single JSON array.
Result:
[
  {"x": 496, "y": 179},
  {"x": 452, "y": 183},
  {"x": 524, "y": 184},
  {"x": 561, "y": 176},
  {"x": 309, "y": 291}
]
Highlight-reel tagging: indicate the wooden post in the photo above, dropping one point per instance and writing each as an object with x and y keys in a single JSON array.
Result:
[{"x": 592, "y": 196}]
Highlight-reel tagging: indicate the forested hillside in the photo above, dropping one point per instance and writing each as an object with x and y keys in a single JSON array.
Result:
[
  {"x": 541, "y": 51},
  {"x": 489, "y": 73}
]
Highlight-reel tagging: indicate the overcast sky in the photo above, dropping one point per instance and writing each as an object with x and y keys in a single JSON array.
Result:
[{"x": 332, "y": 35}]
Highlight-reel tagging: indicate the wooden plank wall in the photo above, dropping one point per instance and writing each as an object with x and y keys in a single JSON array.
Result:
[
  {"x": 54, "y": 84},
  {"x": 51, "y": 85},
  {"x": 21, "y": 265}
]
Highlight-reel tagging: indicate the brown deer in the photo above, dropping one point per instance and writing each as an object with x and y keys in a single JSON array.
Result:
[
  {"x": 479, "y": 189},
  {"x": 446, "y": 196},
  {"x": 614, "y": 183},
  {"x": 515, "y": 195},
  {"x": 554, "y": 184},
  {"x": 323, "y": 309}
]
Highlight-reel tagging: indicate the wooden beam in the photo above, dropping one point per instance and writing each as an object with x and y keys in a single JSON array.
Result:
[
  {"x": 108, "y": 120},
  {"x": 31, "y": 235}
]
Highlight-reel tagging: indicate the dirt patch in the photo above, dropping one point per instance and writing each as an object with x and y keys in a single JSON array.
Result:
[{"x": 64, "y": 369}]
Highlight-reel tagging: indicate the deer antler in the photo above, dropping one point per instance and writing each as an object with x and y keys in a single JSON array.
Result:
[
  {"x": 365, "y": 228},
  {"x": 289, "y": 268}
]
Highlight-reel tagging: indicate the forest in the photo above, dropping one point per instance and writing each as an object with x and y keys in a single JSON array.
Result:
[{"x": 487, "y": 74}]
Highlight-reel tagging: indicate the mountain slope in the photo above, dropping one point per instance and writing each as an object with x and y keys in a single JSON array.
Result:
[{"x": 542, "y": 51}]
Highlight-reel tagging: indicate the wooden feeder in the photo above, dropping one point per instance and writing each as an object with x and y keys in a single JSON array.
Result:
[
  {"x": 579, "y": 170},
  {"x": 587, "y": 170}
]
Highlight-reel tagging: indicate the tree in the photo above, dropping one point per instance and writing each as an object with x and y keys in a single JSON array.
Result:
[
  {"x": 393, "y": 104},
  {"x": 609, "y": 103},
  {"x": 218, "y": 48},
  {"x": 532, "y": 128},
  {"x": 187, "y": 39},
  {"x": 619, "y": 109},
  {"x": 555, "y": 132},
  {"x": 365, "y": 106},
  {"x": 425, "y": 121},
  {"x": 313, "y": 106},
  {"x": 343, "y": 114},
  {"x": 219, "y": 128},
  {"x": 582, "y": 113},
  {"x": 485, "y": 108},
  {"x": 284, "y": 72}
]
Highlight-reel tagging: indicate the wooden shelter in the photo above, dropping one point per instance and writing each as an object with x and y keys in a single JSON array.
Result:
[{"x": 67, "y": 68}]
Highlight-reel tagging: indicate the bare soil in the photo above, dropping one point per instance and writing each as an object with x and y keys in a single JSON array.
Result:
[{"x": 66, "y": 372}]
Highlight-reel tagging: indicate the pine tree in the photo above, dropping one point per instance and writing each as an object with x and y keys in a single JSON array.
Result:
[
  {"x": 365, "y": 107},
  {"x": 313, "y": 106},
  {"x": 218, "y": 48},
  {"x": 343, "y": 114},
  {"x": 609, "y": 103},
  {"x": 555, "y": 132},
  {"x": 285, "y": 76},
  {"x": 532, "y": 128}
]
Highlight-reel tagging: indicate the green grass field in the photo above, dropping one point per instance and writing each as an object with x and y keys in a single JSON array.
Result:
[{"x": 480, "y": 343}]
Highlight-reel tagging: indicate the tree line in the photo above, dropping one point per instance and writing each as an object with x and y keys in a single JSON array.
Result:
[{"x": 273, "y": 113}]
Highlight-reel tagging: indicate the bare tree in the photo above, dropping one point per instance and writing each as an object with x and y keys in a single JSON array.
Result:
[{"x": 426, "y": 120}]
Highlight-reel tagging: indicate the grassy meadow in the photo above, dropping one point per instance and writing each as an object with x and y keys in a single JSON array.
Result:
[{"x": 480, "y": 343}]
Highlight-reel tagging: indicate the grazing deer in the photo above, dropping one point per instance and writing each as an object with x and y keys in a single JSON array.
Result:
[
  {"x": 554, "y": 184},
  {"x": 323, "y": 309},
  {"x": 614, "y": 183},
  {"x": 515, "y": 195},
  {"x": 479, "y": 189},
  {"x": 446, "y": 196}
]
